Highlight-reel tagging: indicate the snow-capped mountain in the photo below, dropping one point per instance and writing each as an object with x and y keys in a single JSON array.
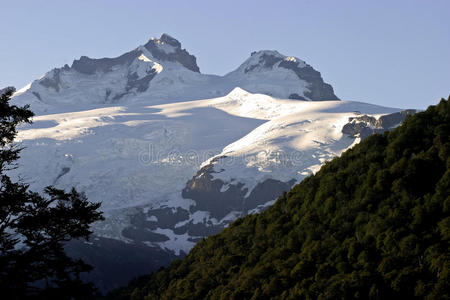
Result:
[
  {"x": 287, "y": 77},
  {"x": 162, "y": 71},
  {"x": 175, "y": 155}
]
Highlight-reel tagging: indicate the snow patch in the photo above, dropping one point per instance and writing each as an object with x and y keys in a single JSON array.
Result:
[{"x": 176, "y": 242}]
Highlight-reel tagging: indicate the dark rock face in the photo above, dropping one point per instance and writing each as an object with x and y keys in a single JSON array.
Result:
[
  {"x": 391, "y": 120},
  {"x": 143, "y": 235},
  {"x": 170, "y": 40},
  {"x": 37, "y": 95},
  {"x": 90, "y": 66},
  {"x": 140, "y": 84},
  {"x": 205, "y": 191},
  {"x": 178, "y": 55},
  {"x": 360, "y": 129},
  {"x": 319, "y": 90},
  {"x": 52, "y": 82},
  {"x": 198, "y": 230},
  {"x": 265, "y": 191},
  {"x": 166, "y": 218},
  {"x": 209, "y": 194},
  {"x": 143, "y": 223},
  {"x": 365, "y": 125},
  {"x": 115, "y": 262},
  {"x": 266, "y": 60}
]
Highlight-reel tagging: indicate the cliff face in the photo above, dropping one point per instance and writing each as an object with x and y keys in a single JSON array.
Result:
[{"x": 167, "y": 48}]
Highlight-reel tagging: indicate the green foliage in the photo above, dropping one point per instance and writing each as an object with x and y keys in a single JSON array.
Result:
[
  {"x": 372, "y": 224},
  {"x": 33, "y": 229}
]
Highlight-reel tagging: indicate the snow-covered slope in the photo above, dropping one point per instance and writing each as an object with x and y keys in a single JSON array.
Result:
[{"x": 170, "y": 174}]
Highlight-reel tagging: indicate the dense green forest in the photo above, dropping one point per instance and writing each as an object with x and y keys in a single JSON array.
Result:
[{"x": 372, "y": 224}]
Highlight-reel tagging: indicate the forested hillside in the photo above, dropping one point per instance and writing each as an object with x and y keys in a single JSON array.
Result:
[{"x": 372, "y": 224}]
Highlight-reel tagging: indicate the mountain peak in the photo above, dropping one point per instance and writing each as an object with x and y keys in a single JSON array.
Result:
[
  {"x": 273, "y": 62},
  {"x": 168, "y": 48},
  {"x": 165, "y": 38},
  {"x": 268, "y": 59},
  {"x": 267, "y": 52}
]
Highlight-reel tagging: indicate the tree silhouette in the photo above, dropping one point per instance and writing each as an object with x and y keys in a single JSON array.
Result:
[{"x": 34, "y": 228}]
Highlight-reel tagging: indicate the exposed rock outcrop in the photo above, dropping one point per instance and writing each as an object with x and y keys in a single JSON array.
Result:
[
  {"x": 168, "y": 48},
  {"x": 270, "y": 60},
  {"x": 221, "y": 199},
  {"x": 364, "y": 125}
]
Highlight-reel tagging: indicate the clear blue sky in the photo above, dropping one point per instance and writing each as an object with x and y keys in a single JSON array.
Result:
[{"x": 394, "y": 53}]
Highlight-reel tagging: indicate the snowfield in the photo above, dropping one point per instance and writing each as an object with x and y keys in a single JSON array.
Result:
[{"x": 141, "y": 156}]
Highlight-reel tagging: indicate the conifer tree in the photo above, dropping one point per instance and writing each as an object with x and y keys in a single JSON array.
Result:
[{"x": 35, "y": 228}]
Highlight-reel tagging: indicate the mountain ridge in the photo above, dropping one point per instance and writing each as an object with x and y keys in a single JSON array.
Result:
[{"x": 162, "y": 69}]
